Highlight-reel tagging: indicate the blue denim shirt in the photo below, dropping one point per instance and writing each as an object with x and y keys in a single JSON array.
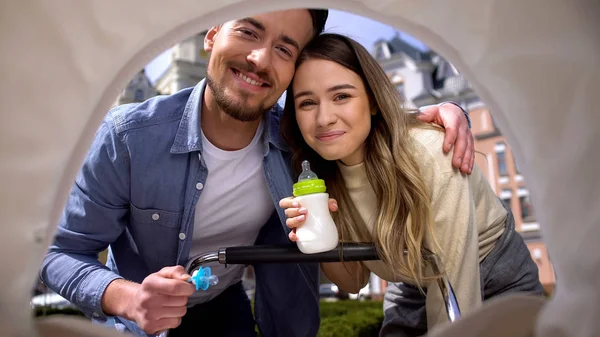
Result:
[{"x": 144, "y": 161}]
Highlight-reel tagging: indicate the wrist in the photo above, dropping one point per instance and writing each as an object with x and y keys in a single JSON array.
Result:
[
  {"x": 461, "y": 109},
  {"x": 117, "y": 298}
]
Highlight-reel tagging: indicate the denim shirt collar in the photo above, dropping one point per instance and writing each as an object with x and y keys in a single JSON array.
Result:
[{"x": 189, "y": 134}]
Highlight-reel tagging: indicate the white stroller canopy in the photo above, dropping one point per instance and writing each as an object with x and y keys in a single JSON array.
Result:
[{"x": 534, "y": 63}]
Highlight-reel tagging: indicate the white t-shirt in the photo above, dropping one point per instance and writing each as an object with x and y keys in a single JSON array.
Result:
[{"x": 234, "y": 205}]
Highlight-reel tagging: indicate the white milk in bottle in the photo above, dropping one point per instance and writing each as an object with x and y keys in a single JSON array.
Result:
[{"x": 318, "y": 233}]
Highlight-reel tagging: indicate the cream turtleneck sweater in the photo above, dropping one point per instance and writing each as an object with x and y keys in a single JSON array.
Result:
[{"x": 468, "y": 216}]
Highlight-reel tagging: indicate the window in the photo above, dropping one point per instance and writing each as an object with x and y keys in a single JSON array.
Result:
[
  {"x": 501, "y": 158},
  {"x": 382, "y": 51},
  {"x": 379, "y": 54},
  {"x": 537, "y": 254},
  {"x": 138, "y": 95},
  {"x": 506, "y": 196},
  {"x": 526, "y": 208},
  {"x": 400, "y": 88}
]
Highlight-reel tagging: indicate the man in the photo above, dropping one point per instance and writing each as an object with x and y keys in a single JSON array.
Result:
[{"x": 192, "y": 172}]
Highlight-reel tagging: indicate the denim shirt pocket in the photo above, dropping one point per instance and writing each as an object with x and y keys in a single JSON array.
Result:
[
  {"x": 156, "y": 216},
  {"x": 156, "y": 234}
]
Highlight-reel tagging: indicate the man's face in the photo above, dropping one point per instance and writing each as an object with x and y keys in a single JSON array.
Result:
[{"x": 252, "y": 60}]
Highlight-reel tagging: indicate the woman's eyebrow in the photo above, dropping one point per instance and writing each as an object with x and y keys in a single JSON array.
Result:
[
  {"x": 341, "y": 86},
  {"x": 330, "y": 89},
  {"x": 303, "y": 93}
]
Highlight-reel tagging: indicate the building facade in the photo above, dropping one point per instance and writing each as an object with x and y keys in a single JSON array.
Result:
[
  {"x": 496, "y": 159},
  {"x": 186, "y": 68},
  {"x": 138, "y": 89}
]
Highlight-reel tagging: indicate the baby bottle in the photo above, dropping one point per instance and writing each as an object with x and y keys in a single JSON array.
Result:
[{"x": 318, "y": 233}]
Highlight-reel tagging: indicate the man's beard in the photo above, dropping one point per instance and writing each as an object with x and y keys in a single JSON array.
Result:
[{"x": 237, "y": 110}]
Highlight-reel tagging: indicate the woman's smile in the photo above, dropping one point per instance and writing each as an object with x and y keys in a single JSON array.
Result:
[{"x": 330, "y": 135}]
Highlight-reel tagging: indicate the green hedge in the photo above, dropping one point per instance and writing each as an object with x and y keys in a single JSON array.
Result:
[
  {"x": 351, "y": 319},
  {"x": 339, "y": 308}
]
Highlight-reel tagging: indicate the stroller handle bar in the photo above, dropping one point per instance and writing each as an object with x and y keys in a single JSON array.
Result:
[
  {"x": 284, "y": 254},
  {"x": 291, "y": 254}
]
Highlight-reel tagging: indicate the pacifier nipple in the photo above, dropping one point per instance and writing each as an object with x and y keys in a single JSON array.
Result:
[{"x": 306, "y": 174}]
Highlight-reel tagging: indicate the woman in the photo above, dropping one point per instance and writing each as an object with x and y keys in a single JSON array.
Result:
[{"x": 395, "y": 186}]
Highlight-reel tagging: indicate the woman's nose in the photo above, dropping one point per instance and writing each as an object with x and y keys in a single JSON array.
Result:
[{"x": 326, "y": 115}]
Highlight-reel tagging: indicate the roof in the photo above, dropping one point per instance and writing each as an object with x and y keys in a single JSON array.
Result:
[{"x": 397, "y": 45}]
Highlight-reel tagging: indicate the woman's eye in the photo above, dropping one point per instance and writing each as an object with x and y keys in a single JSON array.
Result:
[
  {"x": 306, "y": 103},
  {"x": 341, "y": 97}
]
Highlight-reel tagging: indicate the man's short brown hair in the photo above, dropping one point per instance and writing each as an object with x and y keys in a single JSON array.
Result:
[{"x": 319, "y": 18}]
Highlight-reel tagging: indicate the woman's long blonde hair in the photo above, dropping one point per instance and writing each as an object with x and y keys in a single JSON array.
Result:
[{"x": 403, "y": 216}]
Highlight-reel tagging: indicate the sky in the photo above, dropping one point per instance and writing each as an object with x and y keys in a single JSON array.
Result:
[{"x": 364, "y": 30}]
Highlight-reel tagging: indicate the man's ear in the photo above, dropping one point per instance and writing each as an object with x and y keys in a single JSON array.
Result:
[{"x": 209, "y": 38}]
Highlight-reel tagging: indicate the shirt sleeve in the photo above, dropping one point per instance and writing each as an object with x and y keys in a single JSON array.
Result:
[{"x": 95, "y": 215}]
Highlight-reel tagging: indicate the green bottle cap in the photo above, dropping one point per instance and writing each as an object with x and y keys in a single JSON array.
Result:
[{"x": 308, "y": 182}]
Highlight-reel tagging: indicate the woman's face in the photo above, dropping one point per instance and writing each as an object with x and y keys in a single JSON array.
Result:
[{"x": 332, "y": 110}]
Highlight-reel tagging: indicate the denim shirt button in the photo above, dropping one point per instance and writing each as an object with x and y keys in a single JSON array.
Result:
[
  {"x": 155, "y": 216},
  {"x": 181, "y": 236},
  {"x": 199, "y": 186}
]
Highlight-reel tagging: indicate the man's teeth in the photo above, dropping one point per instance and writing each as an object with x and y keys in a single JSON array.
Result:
[{"x": 248, "y": 80}]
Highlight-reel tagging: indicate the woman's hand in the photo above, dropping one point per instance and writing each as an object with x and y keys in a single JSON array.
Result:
[
  {"x": 296, "y": 215},
  {"x": 349, "y": 276}
]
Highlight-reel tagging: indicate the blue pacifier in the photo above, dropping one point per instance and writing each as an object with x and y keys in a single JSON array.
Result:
[{"x": 203, "y": 278}]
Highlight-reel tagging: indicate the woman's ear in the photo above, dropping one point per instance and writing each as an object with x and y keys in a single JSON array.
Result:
[
  {"x": 372, "y": 106},
  {"x": 373, "y": 110}
]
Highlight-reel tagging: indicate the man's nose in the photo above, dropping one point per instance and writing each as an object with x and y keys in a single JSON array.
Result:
[
  {"x": 326, "y": 115},
  {"x": 261, "y": 58}
]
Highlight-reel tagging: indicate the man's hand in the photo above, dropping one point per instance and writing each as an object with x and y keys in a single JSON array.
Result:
[
  {"x": 160, "y": 302},
  {"x": 156, "y": 305},
  {"x": 458, "y": 134}
]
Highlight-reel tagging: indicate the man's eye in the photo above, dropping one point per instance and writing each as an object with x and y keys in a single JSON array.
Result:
[
  {"x": 247, "y": 32},
  {"x": 285, "y": 51}
]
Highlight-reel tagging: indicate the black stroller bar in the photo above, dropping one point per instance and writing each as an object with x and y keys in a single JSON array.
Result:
[
  {"x": 251, "y": 255},
  {"x": 285, "y": 254}
]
